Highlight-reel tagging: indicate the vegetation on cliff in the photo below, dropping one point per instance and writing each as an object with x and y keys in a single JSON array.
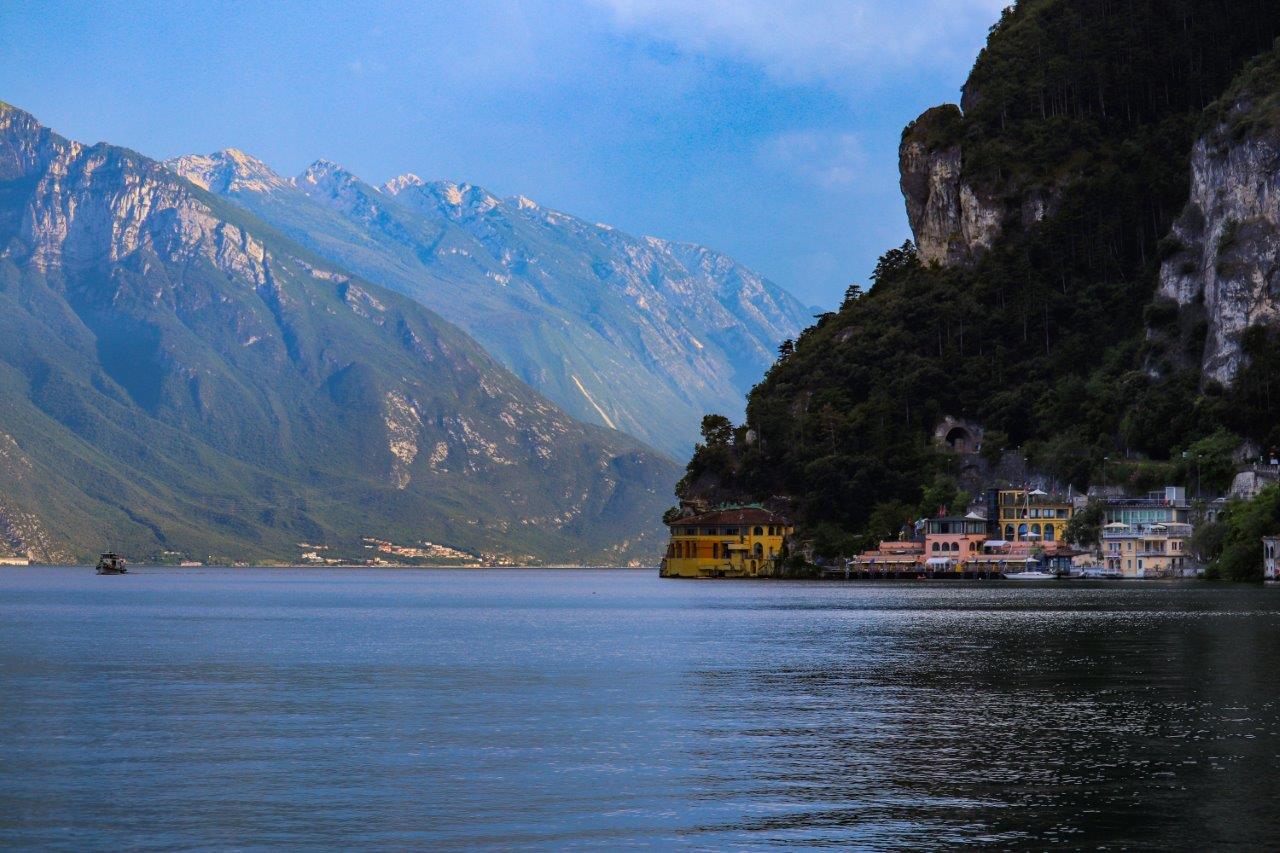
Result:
[
  {"x": 1079, "y": 116},
  {"x": 1234, "y": 544}
]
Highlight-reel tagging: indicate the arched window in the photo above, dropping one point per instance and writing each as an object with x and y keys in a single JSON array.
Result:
[
  {"x": 1008, "y": 531},
  {"x": 1048, "y": 532},
  {"x": 758, "y": 531},
  {"x": 759, "y": 551},
  {"x": 935, "y": 547},
  {"x": 1022, "y": 530},
  {"x": 1035, "y": 530},
  {"x": 973, "y": 546}
]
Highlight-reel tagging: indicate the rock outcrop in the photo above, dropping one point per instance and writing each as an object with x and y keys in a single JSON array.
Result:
[
  {"x": 953, "y": 222},
  {"x": 1226, "y": 244}
]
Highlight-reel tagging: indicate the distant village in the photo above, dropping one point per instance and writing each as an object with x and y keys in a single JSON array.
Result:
[{"x": 1018, "y": 531}]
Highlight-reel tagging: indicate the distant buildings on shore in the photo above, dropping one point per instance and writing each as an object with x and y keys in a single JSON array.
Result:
[{"x": 1022, "y": 530}]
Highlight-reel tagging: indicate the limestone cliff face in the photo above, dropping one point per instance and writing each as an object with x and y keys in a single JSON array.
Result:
[
  {"x": 1228, "y": 240},
  {"x": 953, "y": 222}
]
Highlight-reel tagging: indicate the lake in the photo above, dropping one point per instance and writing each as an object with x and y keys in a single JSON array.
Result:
[{"x": 559, "y": 709}]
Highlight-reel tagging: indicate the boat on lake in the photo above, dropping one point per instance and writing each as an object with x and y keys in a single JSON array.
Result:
[
  {"x": 112, "y": 564},
  {"x": 1101, "y": 573},
  {"x": 1030, "y": 575}
]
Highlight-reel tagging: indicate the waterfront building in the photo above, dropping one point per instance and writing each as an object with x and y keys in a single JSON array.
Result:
[
  {"x": 1139, "y": 550},
  {"x": 1163, "y": 507},
  {"x": 949, "y": 541},
  {"x": 1270, "y": 555},
  {"x": 1028, "y": 515},
  {"x": 15, "y": 561},
  {"x": 739, "y": 541},
  {"x": 1000, "y": 555},
  {"x": 893, "y": 555}
]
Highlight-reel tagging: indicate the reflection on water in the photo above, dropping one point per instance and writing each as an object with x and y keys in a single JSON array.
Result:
[{"x": 558, "y": 709}]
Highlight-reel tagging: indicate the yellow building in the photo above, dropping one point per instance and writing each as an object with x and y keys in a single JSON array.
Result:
[
  {"x": 1032, "y": 516},
  {"x": 1146, "y": 550},
  {"x": 739, "y": 542}
]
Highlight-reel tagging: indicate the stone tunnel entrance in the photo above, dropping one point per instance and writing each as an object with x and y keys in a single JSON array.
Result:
[{"x": 960, "y": 440}]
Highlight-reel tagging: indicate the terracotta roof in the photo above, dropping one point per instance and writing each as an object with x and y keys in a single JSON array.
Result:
[{"x": 746, "y": 515}]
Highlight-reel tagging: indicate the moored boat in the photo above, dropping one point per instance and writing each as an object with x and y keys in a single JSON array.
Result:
[{"x": 1030, "y": 575}]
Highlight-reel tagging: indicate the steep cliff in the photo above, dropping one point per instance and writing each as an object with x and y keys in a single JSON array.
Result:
[
  {"x": 953, "y": 223},
  {"x": 177, "y": 378},
  {"x": 1223, "y": 264}
]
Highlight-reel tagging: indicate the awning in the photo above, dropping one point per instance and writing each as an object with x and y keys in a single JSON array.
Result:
[{"x": 939, "y": 561}]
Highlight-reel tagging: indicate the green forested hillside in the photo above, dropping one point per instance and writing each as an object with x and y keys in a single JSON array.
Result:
[{"x": 1089, "y": 108}]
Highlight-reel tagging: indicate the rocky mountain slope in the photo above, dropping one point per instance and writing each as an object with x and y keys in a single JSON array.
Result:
[
  {"x": 1223, "y": 264},
  {"x": 179, "y": 379},
  {"x": 638, "y": 334},
  {"x": 1042, "y": 208}
]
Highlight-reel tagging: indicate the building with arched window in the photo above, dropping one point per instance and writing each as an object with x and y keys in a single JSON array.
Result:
[
  {"x": 1029, "y": 515},
  {"x": 728, "y": 542}
]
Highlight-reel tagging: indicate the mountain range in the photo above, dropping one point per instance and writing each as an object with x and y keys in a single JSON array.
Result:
[
  {"x": 181, "y": 379},
  {"x": 637, "y": 334}
]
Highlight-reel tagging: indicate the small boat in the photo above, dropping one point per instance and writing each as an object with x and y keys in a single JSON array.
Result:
[
  {"x": 111, "y": 564},
  {"x": 1030, "y": 575},
  {"x": 1102, "y": 574}
]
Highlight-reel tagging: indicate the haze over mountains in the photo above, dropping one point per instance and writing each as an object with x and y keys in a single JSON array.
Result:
[
  {"x": 179, "y": 378},
  {"x": 638, "y": 334}
]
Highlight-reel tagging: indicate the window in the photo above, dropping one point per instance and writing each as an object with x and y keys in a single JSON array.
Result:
[
  {"x": 1048, "y": 532},
  {"x": 759, "y": 551},
  {"x": 1035, "y": 530},
  {"x": 758, "y": 531},
  {"x": 1022, "y": 530},
  {"x": 1008, "y": 531},
  {"x": 935, "y": 547}
]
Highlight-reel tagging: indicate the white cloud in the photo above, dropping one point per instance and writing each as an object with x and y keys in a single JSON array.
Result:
[
  {"x": 830, "y": 160},
  {"x": 827, "y": 41}
]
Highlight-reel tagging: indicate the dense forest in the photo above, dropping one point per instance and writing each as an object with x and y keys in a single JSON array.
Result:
[{"x": 1044, "y": 340}]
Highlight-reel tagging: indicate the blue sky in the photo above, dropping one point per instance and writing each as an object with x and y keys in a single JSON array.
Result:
[{"x": 765, "y": 129}]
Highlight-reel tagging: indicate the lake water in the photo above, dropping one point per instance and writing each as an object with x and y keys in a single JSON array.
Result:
[{"x": 559, "y": 709}]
